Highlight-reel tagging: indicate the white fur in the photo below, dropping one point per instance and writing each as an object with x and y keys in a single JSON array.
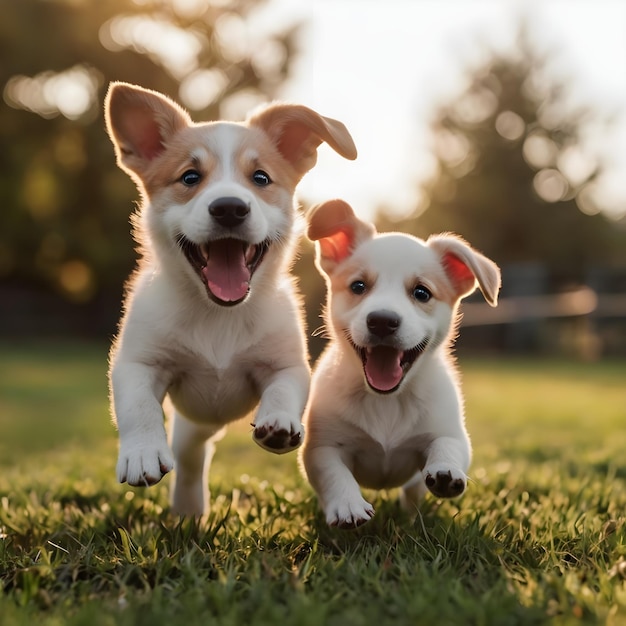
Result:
[
  {"x": 215, "y": 363},
  {"x": 411, "y": 436}
]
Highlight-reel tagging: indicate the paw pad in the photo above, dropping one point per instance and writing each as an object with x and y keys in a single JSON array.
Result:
[
  {"x": 443, "y": 485},
  {"x": 278, "y": 440}
]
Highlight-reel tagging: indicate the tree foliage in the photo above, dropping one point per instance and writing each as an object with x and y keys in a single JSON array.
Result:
[
  {"x": 64, "y": 225},
  {"x": 513, "y": 176}
]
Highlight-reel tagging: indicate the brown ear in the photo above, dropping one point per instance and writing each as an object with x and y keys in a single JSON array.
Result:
[
  {"x": 465, "y": 267},
  {"x": 337, "y": 231},
  {"x": 297, "y": 132},
  {"x": 139, "y": 122}
]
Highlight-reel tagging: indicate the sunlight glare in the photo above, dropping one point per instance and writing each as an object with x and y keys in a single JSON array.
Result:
[
  {"x": 189, "y": 8},
  {"x": 576, "y": 165},
  {"x": 71, "y": 93},
  {"x": 539, "y": 150},
  {"x": 173, "y": 48},
  {"x": 269, "y": 56},
  {"x": 238, "y": 105},
  {"x": 510, "y": 125},
  {"x": 607, "y": 193},
  {"x": 453, "y": 148},
  {"x": 233, "y": 37},
  {"x": 585, "y": 200},
  {"x": 477, "y": 106},
  {"x": 550, "y": 185},
  {"x": 202, "y": 88}
]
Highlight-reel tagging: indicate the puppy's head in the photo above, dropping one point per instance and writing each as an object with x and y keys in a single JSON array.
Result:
[
  {"x": 218, "y": 196},
  {"x": 392, "y": 297}
]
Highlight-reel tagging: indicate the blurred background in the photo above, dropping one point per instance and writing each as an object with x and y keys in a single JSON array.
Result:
[{"x": 502, "y": 121}]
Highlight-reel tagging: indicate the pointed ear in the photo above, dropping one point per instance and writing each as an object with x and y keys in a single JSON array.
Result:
[
  {"x": 297, "y": 132},
  {"x": 337, "y": 231},
  {"x": 464, "y": 267},
  {"x": 139, "y": 122}
]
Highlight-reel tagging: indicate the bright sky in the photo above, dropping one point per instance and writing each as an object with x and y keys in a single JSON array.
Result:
[{"x": 382, "y": 67}]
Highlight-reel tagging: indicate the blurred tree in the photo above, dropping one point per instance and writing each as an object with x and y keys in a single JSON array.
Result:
[
  {"x": 513, "y": 176},
  {"x": 64, "y": 224}
]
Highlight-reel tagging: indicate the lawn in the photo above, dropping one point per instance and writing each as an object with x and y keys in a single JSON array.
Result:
[{"x": 538, "y": 538}]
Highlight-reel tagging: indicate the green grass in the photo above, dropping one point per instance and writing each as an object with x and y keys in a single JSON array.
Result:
[{"x": 539, "y": 537}]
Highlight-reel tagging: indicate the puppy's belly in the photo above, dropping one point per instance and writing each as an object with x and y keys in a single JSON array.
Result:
[
  {"x": 386, "y": 469},
  {"x": 211, "y": 399}
]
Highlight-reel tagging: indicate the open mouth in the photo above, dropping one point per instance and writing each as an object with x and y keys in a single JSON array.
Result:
[
  {"x": 225, "y": 266},
  {"x": 385, "y": 366}
]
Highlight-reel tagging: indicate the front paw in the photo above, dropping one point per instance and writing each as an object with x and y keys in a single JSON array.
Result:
[
  {"x": 141, "y": 464},
  {"x": 445, "y": 482},
  {"x": 349, "y": 514},
  {"x": 279, "y": 435}
]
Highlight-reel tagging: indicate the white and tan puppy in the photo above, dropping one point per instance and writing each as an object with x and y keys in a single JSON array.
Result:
[
  {"x": 211, "y": 318},
  {"x": 385, "y": 408}
]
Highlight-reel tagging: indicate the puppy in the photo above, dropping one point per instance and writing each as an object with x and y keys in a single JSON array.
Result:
[
  {"x": 385, "y": 408},
  {"x": 211, "y": 317}
]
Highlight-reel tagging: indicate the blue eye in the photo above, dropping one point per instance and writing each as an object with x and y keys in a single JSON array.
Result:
[
  {"x": 261, "y": 178},
  {"x": 190, "y": 178},
  {"x": 422, "y": 294},
  {"x": 358, "y": 287}
]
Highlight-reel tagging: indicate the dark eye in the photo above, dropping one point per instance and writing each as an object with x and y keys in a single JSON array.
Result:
[
  {"x": 190, "y": 178},
  {"x": 358, "y": 287},
  {"x": 422, "y": 294},
  {"x": 261, "y": 178}
]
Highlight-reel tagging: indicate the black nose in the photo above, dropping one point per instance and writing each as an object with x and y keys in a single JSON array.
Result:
[
  {"x": 229, "y": 212},
  {"x": 383, "y": 323}
]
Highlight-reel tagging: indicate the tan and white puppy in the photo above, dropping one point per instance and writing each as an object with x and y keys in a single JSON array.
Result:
[
  {"x": 385, "y": 408},
  {"x": 211, "y": 317}
]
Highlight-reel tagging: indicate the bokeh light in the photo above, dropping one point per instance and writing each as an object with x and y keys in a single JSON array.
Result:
[
  {"x": 71, "y": 93},
  {"x": 550, "y": 185},
  {"x": 202, "y": 88},
  {"x": 174, "y": 48},
  {"x": 510, "y": 125}
]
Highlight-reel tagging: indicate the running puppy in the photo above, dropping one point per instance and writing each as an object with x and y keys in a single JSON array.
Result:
[
  {"x": 211, "y": 317},
  {"x": 385, "y": 408}
]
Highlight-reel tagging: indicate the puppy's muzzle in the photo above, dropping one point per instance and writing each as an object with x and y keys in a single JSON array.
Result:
[
  {"x": 226, "y": 262},
  {"x": 229, "y": 212},
  {"x": 385, "y": 361}
]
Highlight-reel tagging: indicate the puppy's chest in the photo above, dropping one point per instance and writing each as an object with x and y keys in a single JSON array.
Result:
[
  {"x": 205, "y": 387},
  {"x": 378, "y": 466},
  {"x": 388, "y": 451}
]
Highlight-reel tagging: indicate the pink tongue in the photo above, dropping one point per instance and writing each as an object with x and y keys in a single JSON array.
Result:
[
  {"x": 382, "y": 368},
  {"x": 226, "y": 273}
]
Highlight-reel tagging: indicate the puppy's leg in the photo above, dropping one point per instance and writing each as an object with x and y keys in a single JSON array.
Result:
[
  {"x": 193, "y": 446},
  {"x": 413, "y": 493},
  {"x": 277, "y": 424},
  {"x": 447, "y": 461},
  {"x": 138, "y": 391},
  {"x": 338, "y": 492}
]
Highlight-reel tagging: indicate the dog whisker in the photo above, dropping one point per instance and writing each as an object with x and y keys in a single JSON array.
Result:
[{"x": 321, "y": 331}]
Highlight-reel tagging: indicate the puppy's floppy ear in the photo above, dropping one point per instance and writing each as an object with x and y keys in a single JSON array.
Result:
[
  {"x": 337, "y": 231},
  {"x": 139, "y": 122},
  {"x": 464, "y": 266},
  {"x": 297, "y": 131}
]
